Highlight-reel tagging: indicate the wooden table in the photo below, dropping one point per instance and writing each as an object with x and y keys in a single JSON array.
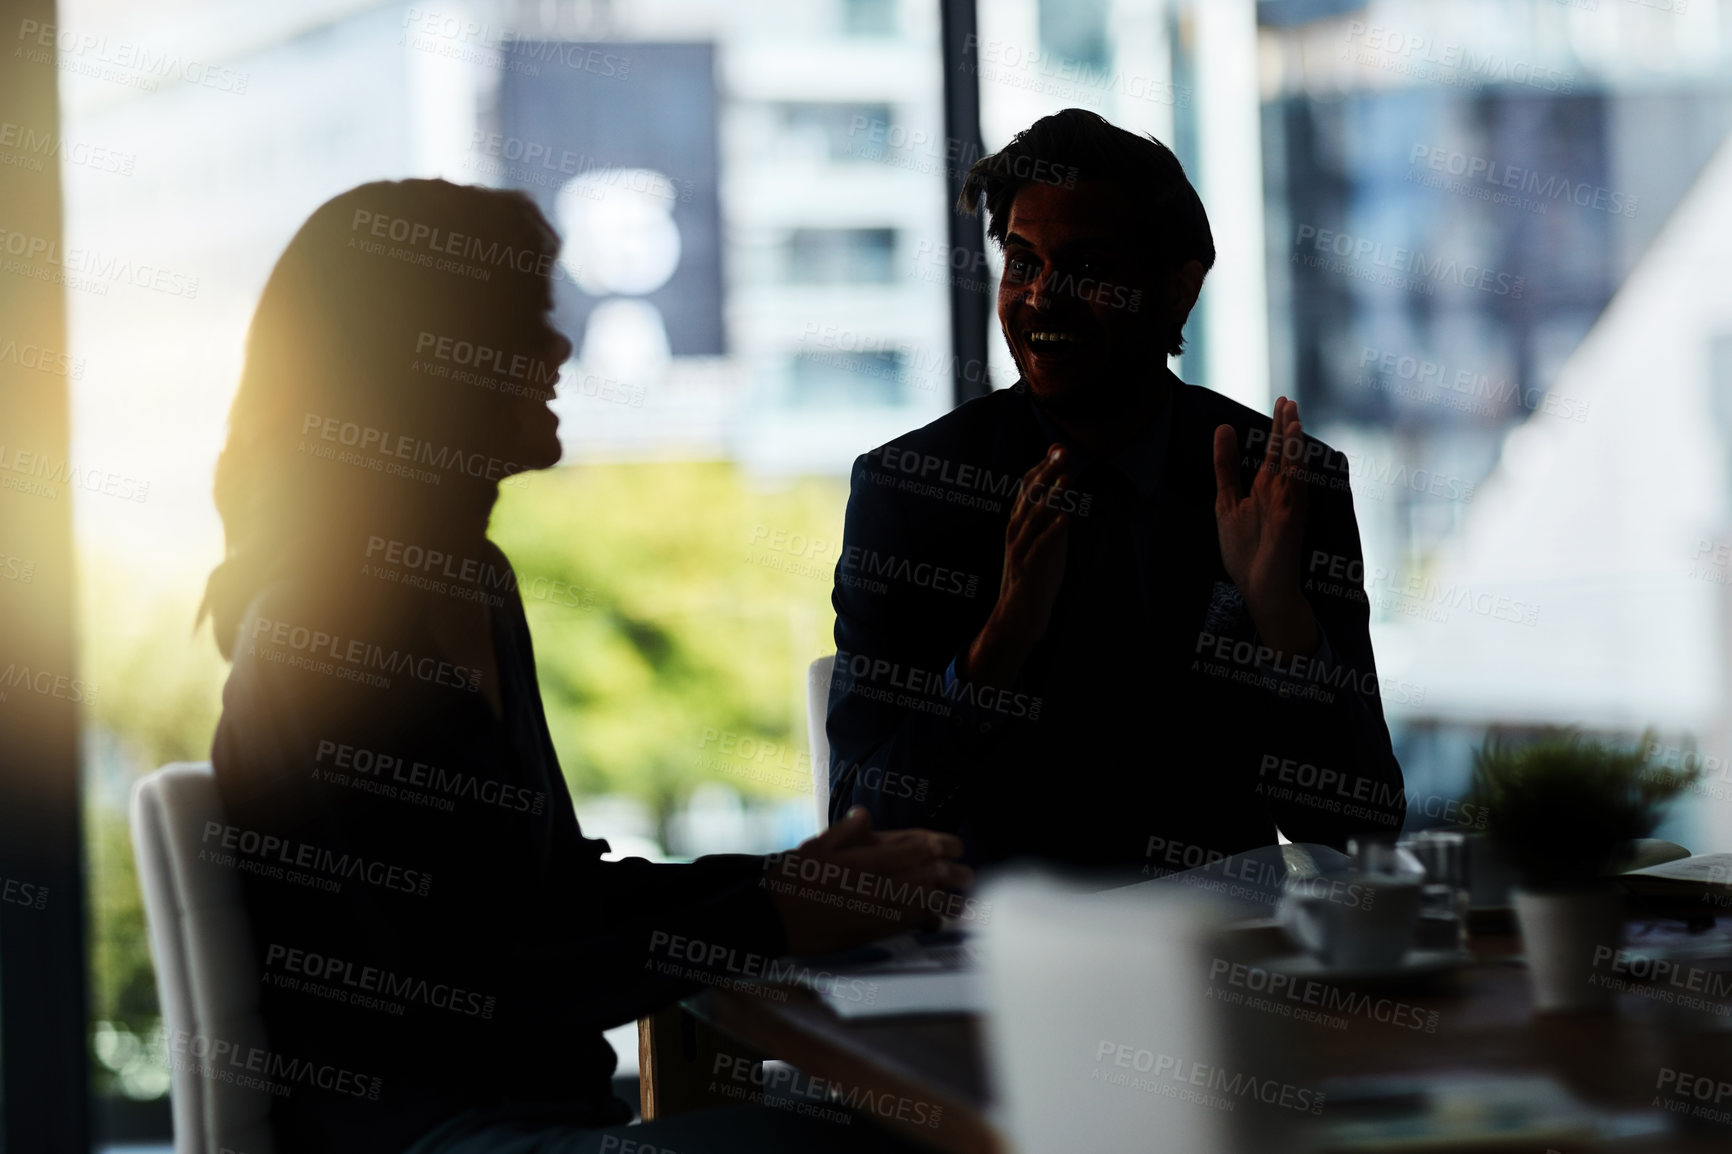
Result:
[
  {"x": 1485, "y": 1024},
  {"x": 921, "y": 1077}
]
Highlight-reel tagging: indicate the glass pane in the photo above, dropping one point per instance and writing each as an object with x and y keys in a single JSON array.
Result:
[
  {"x": 1469, "y": 238},
  {"x": 1476, "y": 219},
  {"x": 739, "y": 237}
]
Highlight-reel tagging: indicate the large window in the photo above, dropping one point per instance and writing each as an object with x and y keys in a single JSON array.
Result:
[{"x": 1484, "y": 245}]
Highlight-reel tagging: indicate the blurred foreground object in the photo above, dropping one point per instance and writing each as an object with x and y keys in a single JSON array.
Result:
[{"x": 1101, "y": 1035}]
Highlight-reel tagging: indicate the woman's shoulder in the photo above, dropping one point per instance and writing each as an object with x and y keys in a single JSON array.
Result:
[
  {"x": 299, "y": 605},
  {"x": 319, "y": 643}
]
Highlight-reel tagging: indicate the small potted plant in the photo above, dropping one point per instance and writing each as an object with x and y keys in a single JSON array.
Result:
[{"x": 1564, "y": 812}]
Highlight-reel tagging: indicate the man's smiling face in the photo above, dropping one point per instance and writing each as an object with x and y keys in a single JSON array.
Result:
[{"x": 1078, "y": 301}]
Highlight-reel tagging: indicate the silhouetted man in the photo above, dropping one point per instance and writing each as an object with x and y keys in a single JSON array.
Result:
[{"x": 1103, "y": 617}]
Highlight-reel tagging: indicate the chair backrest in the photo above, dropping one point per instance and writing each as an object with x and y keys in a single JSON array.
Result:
[
  {"x": 207, "y": 976},
  {"x": 817, "y": 712},
  {"x": 1098, "y": 1018}
]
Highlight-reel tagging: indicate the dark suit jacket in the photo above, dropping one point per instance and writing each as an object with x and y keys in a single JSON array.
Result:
[{"x": 1133, "y": 744}]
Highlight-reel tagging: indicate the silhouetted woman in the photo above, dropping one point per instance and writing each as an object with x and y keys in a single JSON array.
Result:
[{"x": 441, "y": 947}]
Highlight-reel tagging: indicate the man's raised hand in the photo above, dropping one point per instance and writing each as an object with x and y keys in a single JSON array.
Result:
[{"x": 1261, "y": 532}]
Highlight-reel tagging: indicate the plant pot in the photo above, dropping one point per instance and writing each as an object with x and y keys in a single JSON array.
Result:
[{"x": 1561, "y": 933}]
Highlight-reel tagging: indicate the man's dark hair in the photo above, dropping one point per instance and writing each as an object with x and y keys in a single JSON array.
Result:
[{"x": 1077, "y": 145}]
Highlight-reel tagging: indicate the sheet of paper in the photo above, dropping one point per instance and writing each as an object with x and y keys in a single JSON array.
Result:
[
  {"x": 1703, "y": 869},
  {"x": 887, "y": 995},
  {"x": 1251, "y": 882}
]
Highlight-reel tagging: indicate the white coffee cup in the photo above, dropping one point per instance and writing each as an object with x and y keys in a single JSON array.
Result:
[{"x": 1353, "y": 920}]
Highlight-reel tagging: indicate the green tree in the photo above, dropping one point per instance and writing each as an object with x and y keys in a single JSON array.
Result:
[{"x": 700, "y": 599}]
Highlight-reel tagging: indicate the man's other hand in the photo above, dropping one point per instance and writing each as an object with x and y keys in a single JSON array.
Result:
[{"x": 1035, "y": 543}]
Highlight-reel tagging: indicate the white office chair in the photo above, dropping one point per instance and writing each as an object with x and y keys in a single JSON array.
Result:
[
  {"x": 1093, "y": 1001},
  {"x": 817, "y": 709},
  {"x": 207, "y": 975}
]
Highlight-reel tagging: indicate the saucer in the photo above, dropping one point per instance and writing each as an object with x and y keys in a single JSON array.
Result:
[{"x": 1417, "y": 965}]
